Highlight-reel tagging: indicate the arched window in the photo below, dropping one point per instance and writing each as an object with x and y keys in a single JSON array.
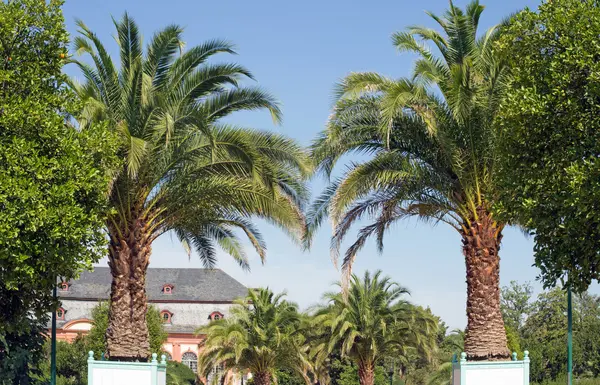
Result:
[
  {"x": 166, "y": 316},
  {"x": 60, "y": 314},
  {"x": 216, "y": 374},
  {"x": 190, "y": 359},
  {"x": 215, "y": 315},
  {"x": 168, "y": 289}
]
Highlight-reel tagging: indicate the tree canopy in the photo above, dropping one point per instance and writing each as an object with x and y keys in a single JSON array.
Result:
[
  {"x": 53, "y": 182},
  {"x": 550, "y": 170}
]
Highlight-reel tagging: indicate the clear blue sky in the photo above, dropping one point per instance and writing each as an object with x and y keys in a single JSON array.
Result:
[{"x": 298, "y": 50}]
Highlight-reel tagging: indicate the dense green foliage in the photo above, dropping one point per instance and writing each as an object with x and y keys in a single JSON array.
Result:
[
  {"x": 96, "y": 339},
  {"x": 551, "y": 169},
  {"x": 180, "y": 374},
  {"x": 71, "y": 362},
  {"x": 516, "y": 304},
  {"x": 52, "y": 184},
  {"x": 544, "y": 333},
  {"x": 259, "y": 338}
]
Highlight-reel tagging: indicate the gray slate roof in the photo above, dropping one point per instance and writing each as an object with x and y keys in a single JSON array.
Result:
[{"x": 201, "y": 285}]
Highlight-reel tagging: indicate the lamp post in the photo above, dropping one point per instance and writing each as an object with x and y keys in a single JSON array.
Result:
[
  {"x": 53, "y": 344},
  {"x": 569, "y": 337}
]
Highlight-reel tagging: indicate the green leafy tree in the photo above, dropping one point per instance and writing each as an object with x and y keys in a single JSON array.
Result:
[
  {"x": 550, "y": 171},
  {"x": 370, "y": 323},
  {"x": 430, "y": 142},
  {"x": 515, "y": 304},
  {"x": 96, "y": 339},
  {"x": 52, "y": 184},
  {"x": 71, "y": 362},
  {"x": 261, "y": 338},
  {"x": 180, "y": 374},
  {"x": 586, "y": 335},
  {"x": 185, "y": 171},
  {"x": 545, "y": 336}
]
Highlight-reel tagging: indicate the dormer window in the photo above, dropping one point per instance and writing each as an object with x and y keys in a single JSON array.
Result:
[
  {"x": 64, "y": 286},
  {"x": 168, "y": 289},
  {"x": 60, "y": 314},
  {"x": 166, "y": 316},
  {"x": 215, "y": 315}
]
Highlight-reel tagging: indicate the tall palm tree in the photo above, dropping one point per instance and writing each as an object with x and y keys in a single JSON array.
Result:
[
  {"x": 431, "y": 142},
  {"x": 184, "y": 171},
  {"x": 372, "y": 322},
  {"x": 258, "y": 338}
]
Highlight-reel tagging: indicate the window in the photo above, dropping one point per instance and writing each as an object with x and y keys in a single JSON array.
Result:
[
  {"x": 64, "y": 286},
  {"x": 166, "y": 316},
  {"x": 168, "y": 289},
  {"x": 190, "y": 359},
  {"x": 60, "y": 314},
  {"x": 215, "y": 315},
  {"x": 216, "y": 374}
]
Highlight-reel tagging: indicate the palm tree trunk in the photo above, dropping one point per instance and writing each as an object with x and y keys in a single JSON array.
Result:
[
  {"x": 366, "y": 373},
  {"x": 127, "y": 336},
  {"x": 262, "y": 378},
  {"x": 486, "y": 336}
]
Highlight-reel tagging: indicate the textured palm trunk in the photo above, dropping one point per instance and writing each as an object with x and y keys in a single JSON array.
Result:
[
  {"x": 127, "y": 336},
  {"x": 366, "y": 373},
  {"x": 486, "y": 336},
  {"x": 262, "y": 378}
]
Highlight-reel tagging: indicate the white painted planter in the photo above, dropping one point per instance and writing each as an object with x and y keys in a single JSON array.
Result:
[
  {"x": 127, "y": 373},
  {"x": 491, "y": 372}
]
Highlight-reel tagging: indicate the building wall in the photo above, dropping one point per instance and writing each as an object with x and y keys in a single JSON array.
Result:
[{"x": 184, "y": 314}]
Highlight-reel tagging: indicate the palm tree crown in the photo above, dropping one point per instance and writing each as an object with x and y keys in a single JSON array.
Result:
[
  {"x": 431, "y": 144},
  {"x": 260, "y": 338},
  {"x": 183, "y": 169},
  {"x": 370, "y": 323}
]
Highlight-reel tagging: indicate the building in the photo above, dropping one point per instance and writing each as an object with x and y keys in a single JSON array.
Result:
[{"x": 186, "y": 298}]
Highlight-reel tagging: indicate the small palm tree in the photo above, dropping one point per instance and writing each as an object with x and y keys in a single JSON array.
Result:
[
  {"x": 183, "y": 170},
  {"x": 431, "y": 143},
  {"x": 370, "y": 323},
  {"x": 258, "y": 338}
]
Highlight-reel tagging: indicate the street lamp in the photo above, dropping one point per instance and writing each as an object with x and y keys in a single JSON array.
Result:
[
  {"x": 569, "y": 337},
  {"x": 53, "y": 344}
]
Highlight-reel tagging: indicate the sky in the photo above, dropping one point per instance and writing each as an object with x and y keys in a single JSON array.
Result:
[{"x": 298, "y": 50}]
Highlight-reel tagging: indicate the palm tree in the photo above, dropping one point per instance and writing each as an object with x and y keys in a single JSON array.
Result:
[
  {"x": 258, "y": 338},
  {"x": 371, "y": 322},
  {"x": 431, "y": 144},
  {"x": 184, "y": 171}
]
